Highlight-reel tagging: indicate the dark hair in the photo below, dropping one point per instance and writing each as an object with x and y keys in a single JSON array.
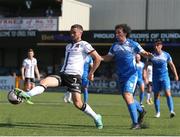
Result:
[
  {"x": 77, "y": 26},
  {"x": 30, "y": 50},
  {"x": 125, "y": 28},
  {"x": 158, "y": 42}
]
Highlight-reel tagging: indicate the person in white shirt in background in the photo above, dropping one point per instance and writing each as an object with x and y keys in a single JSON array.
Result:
[
  {"x": 28, "y": 70},
  {"x": 148, "y": 82}
]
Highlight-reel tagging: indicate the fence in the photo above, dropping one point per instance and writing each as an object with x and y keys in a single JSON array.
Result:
[{"x": 99, "y": 85}]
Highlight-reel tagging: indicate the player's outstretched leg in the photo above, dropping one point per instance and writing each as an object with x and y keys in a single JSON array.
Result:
[
  {"x": 50, "y": 81},
  {"x": 23, "y": 95}
]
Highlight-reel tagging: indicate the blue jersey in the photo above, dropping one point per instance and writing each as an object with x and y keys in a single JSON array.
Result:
[
  {"x": 160, "y": 69},
  {"x": 140, "y": 67},
  {"x": 87, "y": 63},
  {"x": 124, "y": 55}
]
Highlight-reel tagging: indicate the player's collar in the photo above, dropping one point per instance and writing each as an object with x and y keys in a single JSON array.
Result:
[
  {"x": 122, "y": 43},
  {"x": 157, "y": 53},
  {"x": 74, "y": 42}
]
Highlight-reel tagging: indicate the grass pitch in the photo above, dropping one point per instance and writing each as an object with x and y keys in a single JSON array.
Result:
[{"x": 50, "y": 116}]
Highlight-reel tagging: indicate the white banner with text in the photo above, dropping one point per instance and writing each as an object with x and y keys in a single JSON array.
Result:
[{"x": 41, "y": 24}]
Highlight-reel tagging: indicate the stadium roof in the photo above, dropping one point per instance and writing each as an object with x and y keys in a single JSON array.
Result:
[{"x": 35, "y": 3}]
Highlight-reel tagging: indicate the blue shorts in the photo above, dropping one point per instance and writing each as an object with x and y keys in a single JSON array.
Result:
[
  {"x": 85, "y": 82},
  {"x": 140, "y": 82},
  {"x": 163, "y": 84},
  {"x": 129, "y": 84}
]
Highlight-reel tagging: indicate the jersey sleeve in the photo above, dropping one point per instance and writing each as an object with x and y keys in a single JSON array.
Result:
[
  {"x": 138, "y": 48},
  {"x": 24, "y": 63},
  {"x": 168, "y": 57},
  {"x": 111, "y": 50},
  {"x": 35, "y": 61},
  {"x": 143, "y": 65},
  {"x": 88, "y": 48}
]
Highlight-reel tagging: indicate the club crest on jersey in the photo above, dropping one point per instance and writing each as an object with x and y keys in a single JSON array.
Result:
[{"x": 77, "y": 45}]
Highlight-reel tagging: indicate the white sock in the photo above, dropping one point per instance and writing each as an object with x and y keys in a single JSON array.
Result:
[
  {"x": 148, "y": 96},
  {"x": 70, "y": 96},
  {"x": 36, "y": 91},
  {"x": 88, "y": 110}
]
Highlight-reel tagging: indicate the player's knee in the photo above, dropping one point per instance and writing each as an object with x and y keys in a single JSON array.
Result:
[
  {"x": 128, "y": 97},
  {"x": 32, "y": 85},
  {"x": 168, "y": 93},
  {"x": 156, "y": 95},
  {"x": 77, "y": 105},
  {"x": 83, "y": 107},
  {"x": 42, "y": 82}
]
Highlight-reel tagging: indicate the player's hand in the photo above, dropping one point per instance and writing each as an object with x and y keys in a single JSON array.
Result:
[
  {"x": 91, "y": 77},
  {"x": 150, "y": 55},
  {"x": 176, "y": 78},
  {"x": 23, "y": 78}
]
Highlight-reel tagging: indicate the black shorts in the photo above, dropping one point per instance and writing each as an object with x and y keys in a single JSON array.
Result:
[
  {"x": 72, "y": 82},
  {"x": 149, "y": 84},
  {"x": 29, "y": 80}
]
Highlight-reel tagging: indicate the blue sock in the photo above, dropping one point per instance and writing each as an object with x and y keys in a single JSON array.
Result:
[
  {"x": 141, "y": 97},
  {"x": 157, "y": 104},
  {"x": 85, "y": 96},
  {"x": 170, "y": 103},
  {"x": 133, "y": 112},
  {"x": 138, "y": 106}
]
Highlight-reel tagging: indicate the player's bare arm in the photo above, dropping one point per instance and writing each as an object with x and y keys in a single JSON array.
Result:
[
  {"x": 96, "y": 63},
  {"x": 145, "y": 75},
  {"x": 91, "y": 66},
  {"x": 107, "y": 58},
  {"x": 173, "y": 68},
  {"x": 22, "y": 73},
  {"x": 146, "y": 54}
]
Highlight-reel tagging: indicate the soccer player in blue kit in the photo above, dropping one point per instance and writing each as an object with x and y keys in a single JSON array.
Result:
[
  {"x": 85, "y": 81},
  {"x": 161, "y": 80},
  {"x": 140, "y": 81},
  {"x": 124, "y": 52}
]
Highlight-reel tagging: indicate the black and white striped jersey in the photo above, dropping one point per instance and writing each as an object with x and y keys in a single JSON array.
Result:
[
  {"x": 75, "y": 56},
  {"x": 29, "y": 66}
]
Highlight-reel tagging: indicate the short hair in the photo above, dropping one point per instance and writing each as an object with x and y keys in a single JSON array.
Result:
[
  {"x": 78, "y": 26},
  {"x": 158, "y": 42},
  {"x": 125, "y": 28},
  {"x": 30, "y": 50}
]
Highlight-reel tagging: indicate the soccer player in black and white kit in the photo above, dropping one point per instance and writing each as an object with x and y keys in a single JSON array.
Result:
[
  {"x": 71, "y": 73},
  {"x": 28, "y": 70}
]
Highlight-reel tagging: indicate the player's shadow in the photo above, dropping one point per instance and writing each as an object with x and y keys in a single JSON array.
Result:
[
  {"x": 12, "y": 125},
  {"x": 43, "y": 125}
]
